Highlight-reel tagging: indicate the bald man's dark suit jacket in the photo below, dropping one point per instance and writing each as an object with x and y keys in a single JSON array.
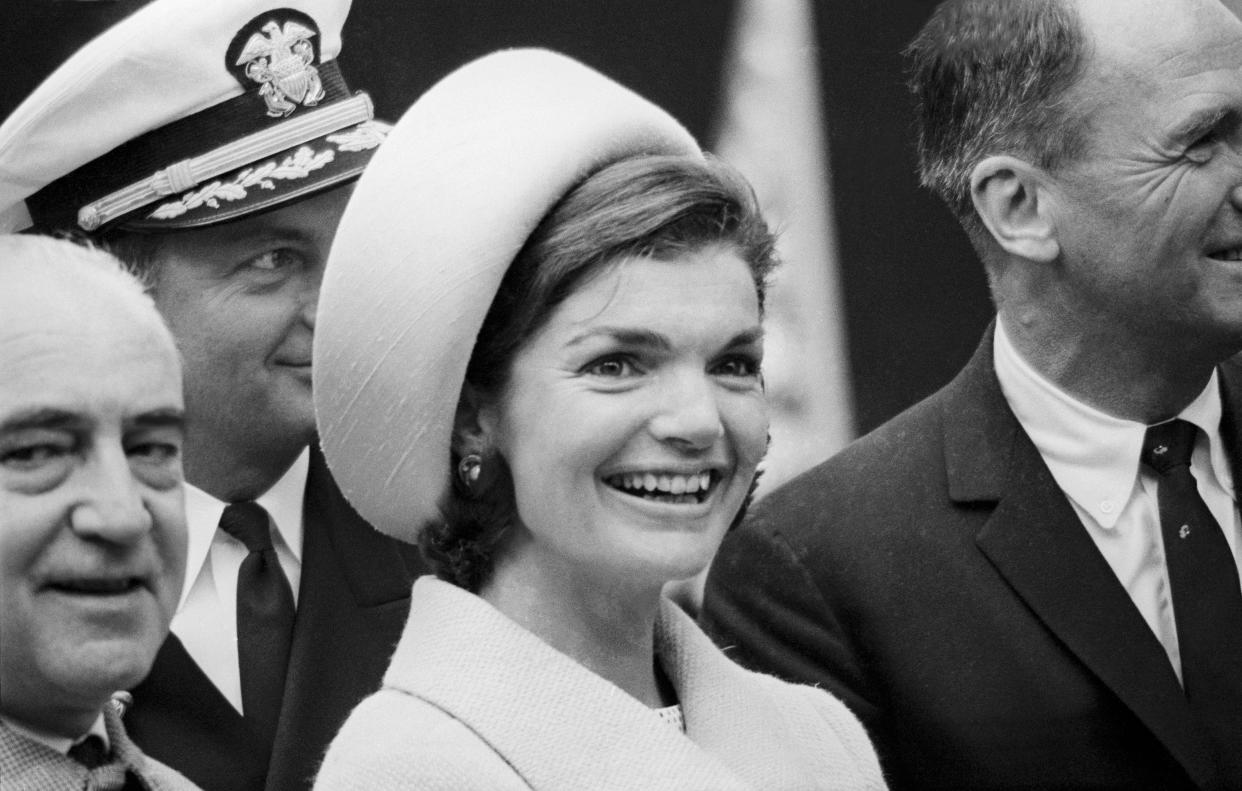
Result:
[
  {"x": 936, "y": 578},
  {"x": 352, "y": 605}
]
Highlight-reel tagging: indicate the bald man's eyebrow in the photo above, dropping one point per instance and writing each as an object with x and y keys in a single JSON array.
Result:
[
  {"x": 42, "y": 417},
  {"x": 159, "y": 418},
  {"x": 52, "y": 419}
]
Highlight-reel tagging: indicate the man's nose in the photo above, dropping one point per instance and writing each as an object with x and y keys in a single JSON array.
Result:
[
  {"x": 111, "y": 506},
  {"x": 310, "y": 301}
]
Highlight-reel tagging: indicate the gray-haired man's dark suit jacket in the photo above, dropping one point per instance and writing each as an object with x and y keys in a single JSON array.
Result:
[{"x": 936, "y": 578}]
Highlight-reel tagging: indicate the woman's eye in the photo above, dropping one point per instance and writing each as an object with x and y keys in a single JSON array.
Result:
[
  {"x": 738, "y": 366},
  {"x": 610, "y": 367}
]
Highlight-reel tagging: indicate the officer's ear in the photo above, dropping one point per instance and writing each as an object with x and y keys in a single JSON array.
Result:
[{"x": 1011, "y": 198}]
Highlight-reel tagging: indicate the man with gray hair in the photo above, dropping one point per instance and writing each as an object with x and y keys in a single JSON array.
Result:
[
  {"x": 92, "y": 517},
  {"x": 1031, "y": 579}
]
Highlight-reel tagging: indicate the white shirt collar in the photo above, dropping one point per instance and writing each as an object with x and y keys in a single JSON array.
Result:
[
  {"x": 60, "y": 744},
  {"x": 283, "y": 502},
  {"x": 1093, "y": 456}
]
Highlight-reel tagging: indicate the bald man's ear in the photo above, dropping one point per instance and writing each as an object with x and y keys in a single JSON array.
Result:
[{"x": 1011, "y": 199}]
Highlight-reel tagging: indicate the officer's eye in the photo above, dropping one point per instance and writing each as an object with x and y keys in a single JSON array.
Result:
[{"x": 275, "y": 260}]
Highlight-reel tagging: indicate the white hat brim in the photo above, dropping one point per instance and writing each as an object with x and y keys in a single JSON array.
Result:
[{"x": 444, "y": 207}]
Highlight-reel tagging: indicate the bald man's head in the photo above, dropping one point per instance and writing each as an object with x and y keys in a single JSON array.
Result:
[{"x": 92, "y": 522}]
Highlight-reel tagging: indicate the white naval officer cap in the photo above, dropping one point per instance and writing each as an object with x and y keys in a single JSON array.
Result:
[{"x": 185, "y": 114}]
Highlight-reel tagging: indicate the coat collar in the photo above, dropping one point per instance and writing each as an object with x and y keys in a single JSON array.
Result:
[
  {"x": 561, "y": 726},
  {"x": 1036, "y": 542},
  {"x": 25, "y": 763}
]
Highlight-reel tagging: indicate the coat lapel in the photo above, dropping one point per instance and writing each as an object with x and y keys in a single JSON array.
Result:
[
  {"x": 1037, "y": 543},
  {"x": 732, "y": 716},
  {"x": 181, "y": 719},
  {"x": 27, "y": 764},
  {"x": 351, "y": 607},
  {"x": 555, "y": 722}
]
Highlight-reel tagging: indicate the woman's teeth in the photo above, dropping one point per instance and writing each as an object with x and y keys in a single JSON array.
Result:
[{"x": 660, "y": 485}]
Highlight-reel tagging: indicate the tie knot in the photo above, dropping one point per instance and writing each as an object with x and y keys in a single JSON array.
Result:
[
  {"x": 1169, "y": 445},
  {"x": 249, "y": 524},
  {"x": 90, "y": 752}
]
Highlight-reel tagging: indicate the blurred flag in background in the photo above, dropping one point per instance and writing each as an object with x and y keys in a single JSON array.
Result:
[{"x": 772, "y": 130}]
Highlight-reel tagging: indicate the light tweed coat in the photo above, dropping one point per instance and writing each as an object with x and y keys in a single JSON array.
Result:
[
  {"x": 473, "y": 701},
  {"x": 27, "y": 765}
]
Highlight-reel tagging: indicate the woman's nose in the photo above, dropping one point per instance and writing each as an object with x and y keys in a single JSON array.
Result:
[{"x": 688, "y": 413}]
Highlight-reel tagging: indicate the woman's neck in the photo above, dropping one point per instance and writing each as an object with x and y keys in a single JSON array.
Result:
[{"x": 607, "y": 626}]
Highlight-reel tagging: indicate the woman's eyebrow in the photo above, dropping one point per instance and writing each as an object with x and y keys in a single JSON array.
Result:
[{"x": 628, "y": 336}]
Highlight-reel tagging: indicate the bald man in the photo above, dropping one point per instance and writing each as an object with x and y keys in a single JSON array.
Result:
[{"x": 92, "y": 520}]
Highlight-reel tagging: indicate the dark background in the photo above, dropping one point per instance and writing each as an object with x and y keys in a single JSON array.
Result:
[{"x": 915, "y": 297}]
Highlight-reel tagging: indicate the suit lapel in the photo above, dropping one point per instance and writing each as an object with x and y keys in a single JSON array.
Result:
[
  {"x": 1037, "y": 543},
  {"x": 351, "y": 608},
  {"x": 181, "y": 719},
  {"x": 1231, "y": 408}
]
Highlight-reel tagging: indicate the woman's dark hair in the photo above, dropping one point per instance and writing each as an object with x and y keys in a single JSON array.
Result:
[{"x": 653, "y": 206}]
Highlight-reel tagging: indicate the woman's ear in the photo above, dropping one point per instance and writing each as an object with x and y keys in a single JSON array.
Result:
[
  {"x": 1012, "y": 200},
  {"x": 474, "y": 422}
]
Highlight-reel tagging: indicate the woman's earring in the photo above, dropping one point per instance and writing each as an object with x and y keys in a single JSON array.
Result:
[{"x": 469, "y": 468}]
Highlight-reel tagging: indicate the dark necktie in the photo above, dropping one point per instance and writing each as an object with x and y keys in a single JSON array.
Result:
[
  {"x": 264, "y": 618},
  {"x": 1207, "y": 601},
  {"x": 90, "y": 752},
  {"x": 107, "y": 773}
]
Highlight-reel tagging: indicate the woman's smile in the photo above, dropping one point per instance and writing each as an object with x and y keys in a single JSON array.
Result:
[{"x": 666, "y": 487}]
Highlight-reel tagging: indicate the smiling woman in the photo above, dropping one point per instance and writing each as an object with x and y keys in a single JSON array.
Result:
[
  {"x": 552, "y": 382},
  {"x": 620, "y": 356}
]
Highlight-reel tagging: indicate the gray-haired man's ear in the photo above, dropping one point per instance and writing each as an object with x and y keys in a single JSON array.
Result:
[{"x": 1013, "y": 201}]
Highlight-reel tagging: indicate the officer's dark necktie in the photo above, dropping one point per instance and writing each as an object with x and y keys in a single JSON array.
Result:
[
  {"x": 1207, "y": 600},
  {"x": 264, "y": 618}
]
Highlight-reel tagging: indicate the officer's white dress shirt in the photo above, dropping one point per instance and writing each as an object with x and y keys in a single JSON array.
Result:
[
  {"x": 1094, "y": 458},
  {"x": 206, "y": 620}
]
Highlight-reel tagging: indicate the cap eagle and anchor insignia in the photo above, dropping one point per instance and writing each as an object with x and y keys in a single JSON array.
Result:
[
  {"x": 279, "y": 51},
  {"x": 267, "y": 119},
  {"x": 281, "y": 59}
]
